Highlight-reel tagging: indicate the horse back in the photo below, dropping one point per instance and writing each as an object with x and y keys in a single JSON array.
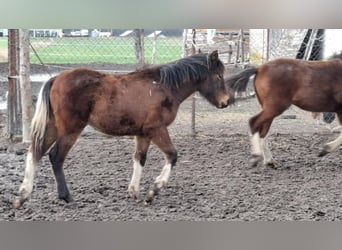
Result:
[
  {"x": 117, "y": 104},
  {"x": 307, "y": 84}
]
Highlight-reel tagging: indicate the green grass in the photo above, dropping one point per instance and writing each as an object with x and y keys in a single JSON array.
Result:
[
  {"x": 97, "y": 50},
  {"x": 102, "y": 50},
  {"x": 3, "y": 43},
  {"x": 3, "y": 49}
]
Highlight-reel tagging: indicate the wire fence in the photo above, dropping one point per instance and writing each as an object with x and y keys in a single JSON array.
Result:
[
  {"x": 236, "y": 46},
  {"x": 118, "y": 50},
  {"x": 126, "y": 50}
]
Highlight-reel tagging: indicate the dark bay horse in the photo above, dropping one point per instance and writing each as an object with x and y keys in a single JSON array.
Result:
[
  {"x": 141, "y": 104},
  {"x": 314, "y": 86}
]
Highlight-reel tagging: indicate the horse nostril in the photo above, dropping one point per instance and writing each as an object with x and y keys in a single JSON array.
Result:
[{"x": 224, "y": 103}]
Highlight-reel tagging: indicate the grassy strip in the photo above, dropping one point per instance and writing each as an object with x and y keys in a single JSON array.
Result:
[{"x": 104, "y": 50}]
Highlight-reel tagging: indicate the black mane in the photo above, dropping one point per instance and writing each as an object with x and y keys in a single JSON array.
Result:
[{"x": 191, "y": 68}]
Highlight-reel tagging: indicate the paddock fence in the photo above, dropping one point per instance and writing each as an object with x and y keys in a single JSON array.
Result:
[{"x": 120, "y": 50}]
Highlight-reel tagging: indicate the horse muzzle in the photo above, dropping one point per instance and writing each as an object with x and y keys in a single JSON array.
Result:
[{"x": 223, "y": 103}]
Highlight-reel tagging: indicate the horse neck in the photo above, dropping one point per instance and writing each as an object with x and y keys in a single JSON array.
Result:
[{"x": 184, "y": 90}]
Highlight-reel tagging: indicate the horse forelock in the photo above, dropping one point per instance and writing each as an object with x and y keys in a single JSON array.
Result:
[{"x": 192, "y": 68}]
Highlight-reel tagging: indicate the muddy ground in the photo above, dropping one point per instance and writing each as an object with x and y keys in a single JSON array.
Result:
[{"x": 212, "y": 180}]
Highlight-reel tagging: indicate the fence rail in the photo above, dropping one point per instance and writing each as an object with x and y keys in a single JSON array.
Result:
[{"x": 118, "y": 48}]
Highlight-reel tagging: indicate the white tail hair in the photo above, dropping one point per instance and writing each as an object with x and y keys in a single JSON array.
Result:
[{"x": 40, "y": 120}]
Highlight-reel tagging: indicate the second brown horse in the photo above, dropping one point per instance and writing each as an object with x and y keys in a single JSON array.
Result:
[{"x": 314, "y": 86}]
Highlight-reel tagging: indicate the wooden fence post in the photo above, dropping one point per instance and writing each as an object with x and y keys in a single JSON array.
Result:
[
  {"x": 193, "y": 104},
  {"x": 139, "y": 47},
  {"x": 242, "y": 47},
  {"x": 25, "y": 84},
  {"x": 268, "y": 44},
  {"x": 13, "y": 100}
]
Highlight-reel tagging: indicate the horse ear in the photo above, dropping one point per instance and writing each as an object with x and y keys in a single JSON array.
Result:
[{"x": 213, "y": 56}]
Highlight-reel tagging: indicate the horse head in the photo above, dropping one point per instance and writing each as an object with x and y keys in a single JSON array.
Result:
[{"x": 214, "y": 88}]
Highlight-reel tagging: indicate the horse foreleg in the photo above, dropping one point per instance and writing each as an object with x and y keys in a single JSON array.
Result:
[
  {"x": 139, "y": 158},
  {"x": 163, "y": 141}
]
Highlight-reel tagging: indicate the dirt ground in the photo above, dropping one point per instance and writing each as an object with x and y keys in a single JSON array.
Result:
[{"x": 212, "y": 180}]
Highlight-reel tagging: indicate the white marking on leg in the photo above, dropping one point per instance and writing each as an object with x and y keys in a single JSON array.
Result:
[
  {"x": 256, "y": 144},
  {"x": 163, "y": 178},
  {"x": 134, "y": 186},
  {"x": 331, "y": 146},
  {"x": 26, "y": 187},
  {"x": 268, "y": 159}
]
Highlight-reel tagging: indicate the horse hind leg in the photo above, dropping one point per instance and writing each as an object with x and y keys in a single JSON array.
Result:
[
  {"x": 260, "y": 151},
  {"x": 260, "y": 125},
  {"x": 57, "y": 156},
  {"x": 333, "y": 145},
  {"x": 32, "y": 163}
]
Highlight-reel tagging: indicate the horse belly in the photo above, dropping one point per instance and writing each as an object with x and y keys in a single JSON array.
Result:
[
  {"x": 115, "y": 125},
  {"x": 316, "y": 105}
]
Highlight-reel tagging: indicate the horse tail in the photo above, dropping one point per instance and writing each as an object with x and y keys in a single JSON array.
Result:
[
  {"x": 40, "y": 120},
  {"x": 239, "y": 81}
]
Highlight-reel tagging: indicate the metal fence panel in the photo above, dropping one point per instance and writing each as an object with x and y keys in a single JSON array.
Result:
[{"x": 115, "y": 50}]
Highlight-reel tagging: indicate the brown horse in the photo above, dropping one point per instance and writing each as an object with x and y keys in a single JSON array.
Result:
[
  {"x": 140, "y": 104},
  {"x": 314, "y": 86}
]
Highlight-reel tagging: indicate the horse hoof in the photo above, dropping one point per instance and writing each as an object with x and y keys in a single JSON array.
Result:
[
  {"x": 255, "y": 159},
  {"x": 322, "y": 153},
  {"x": 133, "y": 194},
  {"x": 17, "y": 203},
  {"x": 71, "y": 205},
  {"x": 270, "y": 165},
  {"x": 149, "y": 197},
  {"x": 67, "y": 198},
  {"x": 134, "y": 197},
  {"x": 325, "y": 150},
  {"x": 148, "y": 201}
]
